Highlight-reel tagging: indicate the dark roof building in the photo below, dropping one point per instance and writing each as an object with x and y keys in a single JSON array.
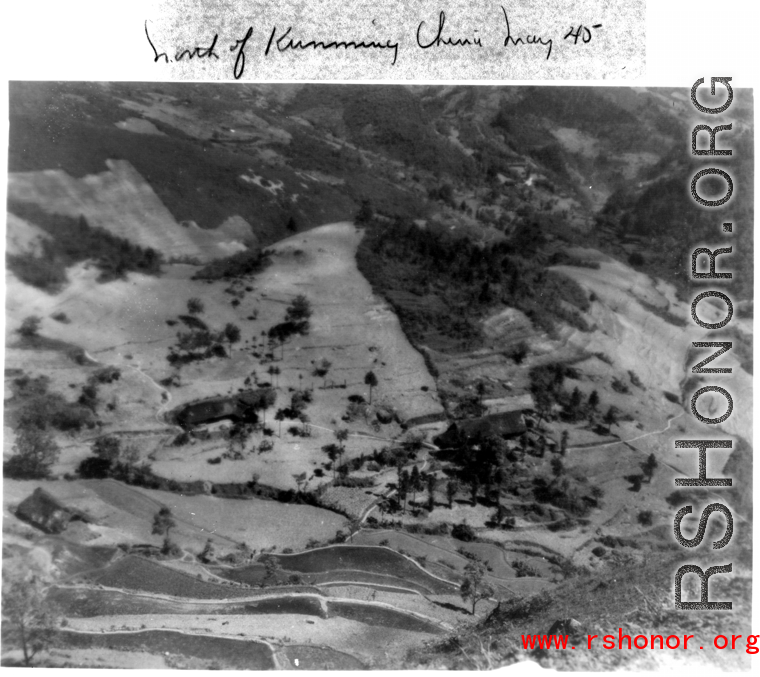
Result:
[
  {"x": 239, "y": 407},
  {"x": 46, "y": 512},
  {"x": 507, "y": 424}
]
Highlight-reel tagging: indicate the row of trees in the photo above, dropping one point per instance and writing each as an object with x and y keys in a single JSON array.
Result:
[{"x": 296, "y": 323}]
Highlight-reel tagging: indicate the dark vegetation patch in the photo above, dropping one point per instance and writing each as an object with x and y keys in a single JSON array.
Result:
[
  {"x": 236, "y": 265},
  {"x": 666, "y": 222},
  {"x": 441, "y": 286},
  {"x": 390, "y": 119},
  {"x": 240, "y": 654},
  {"x": 382, "y": 616},
  {"x": 73, "y": 240}
]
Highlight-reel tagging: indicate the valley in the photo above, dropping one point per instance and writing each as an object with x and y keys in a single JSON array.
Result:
[{"x": 345, "y": 377}]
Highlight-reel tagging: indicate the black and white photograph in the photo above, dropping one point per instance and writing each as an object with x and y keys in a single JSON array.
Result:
[{"x": 372, "y": 376}]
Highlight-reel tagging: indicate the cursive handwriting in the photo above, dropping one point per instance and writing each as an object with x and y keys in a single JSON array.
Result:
[
  {"x": 529, "y": 39},
  {"x": 285, "y": 43},
  {"x": 239, "y": 68},
  {"x": 437, "y": 41},
  {"x": 428, "y": 35},
  {"x": 180, "y": 54}
]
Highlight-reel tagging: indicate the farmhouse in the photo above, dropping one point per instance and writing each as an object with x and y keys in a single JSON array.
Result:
[
  {"x": 239, "y": 407},
  {"x": 508, "y": 424},
  {"x": 44, "y": 511}
]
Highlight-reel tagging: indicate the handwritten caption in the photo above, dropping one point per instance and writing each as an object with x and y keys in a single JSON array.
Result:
[{"x": 438, "y": 34}]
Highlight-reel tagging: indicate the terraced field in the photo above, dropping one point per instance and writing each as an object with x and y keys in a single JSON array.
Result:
[
  {"x": 382, "y": 616},
  {"x": 229, "y": 653},
  {"x": 137, "y": 573},
  {"x": 348, "y": 563},
  {"x": 444, "y": 557},
  {"x": 89, "y": 603}
]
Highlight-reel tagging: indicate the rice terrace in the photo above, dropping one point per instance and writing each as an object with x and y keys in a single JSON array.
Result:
[{"x": 359, "y": 377}]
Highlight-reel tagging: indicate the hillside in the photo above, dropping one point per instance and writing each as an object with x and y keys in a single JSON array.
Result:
[{"x": 335, "y": 376}]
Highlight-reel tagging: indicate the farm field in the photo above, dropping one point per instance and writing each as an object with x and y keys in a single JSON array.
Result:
[
  {"x": 91, "y": 602},
  {"x": 229, "y": 653},
  {"x": 122, "y": 514},
  {"x": 138, "y": 573},
  {"x": 319, "y": 658}
]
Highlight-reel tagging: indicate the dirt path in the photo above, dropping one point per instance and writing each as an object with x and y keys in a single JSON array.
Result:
[{"x": 601, "y": 445}]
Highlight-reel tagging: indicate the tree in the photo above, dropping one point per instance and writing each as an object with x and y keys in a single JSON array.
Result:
[
  {"x": 576, "y": 400},
  {"x": 272, "y": 571},
  {"x": 610, "y": 418},
  {"x": 474, "y": 489},
  {"x": 30, "y": 326},
  {"x": 231, "y": 333},
  {"x": 89, "y": 396},
  {"x": 544, "y": 401},
  {"x": 563, "y": 442},
  {"x": 208, "y": 554},
  {"x": 291, "y": 225},
  {"x": 29, "y": 618},
  {"x": 475, "y": 588},
  {"x": 274, "y": 372},
  {"x": 452, "y": 486},
  {"x": 298, "y": 310},
  {"x": 333, "y": 452},
  {"x": 107, "y": 447},
  {"x": 365, "y": 214},
  {"x": 280, "y": 417},
  {"x": 341, "y": 434},
  {"x": 404, "y": 482},
  {"x": 321, "y": 368},
  {"x": 163, "y": 523},
  {"x": 415, "y": 482},
  {"x": 301, "y": 481},
  {"x": 593, "y": 400},
  {"x": 195, "y": 306},
  {"x": 34, "y": 454},
  {"x": 649, "y": 466},
  {"x": 430, "y": 480},
  {"x": 371, "y": 380},
  {"x": 265, "y": 400},
  {"x": 558, "y": 467}
]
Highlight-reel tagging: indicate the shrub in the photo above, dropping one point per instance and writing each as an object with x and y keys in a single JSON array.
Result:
[
  {"x": 107, "y": 374},
  {"x": 463, "y": 532},
  {"x": 237, "y": 265},
  {"x": 645, "y": 518},
  {"x": 61, "y": 317},
  {"x": 95, "y": 468},
  {"x": 523, "y": 569}
]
